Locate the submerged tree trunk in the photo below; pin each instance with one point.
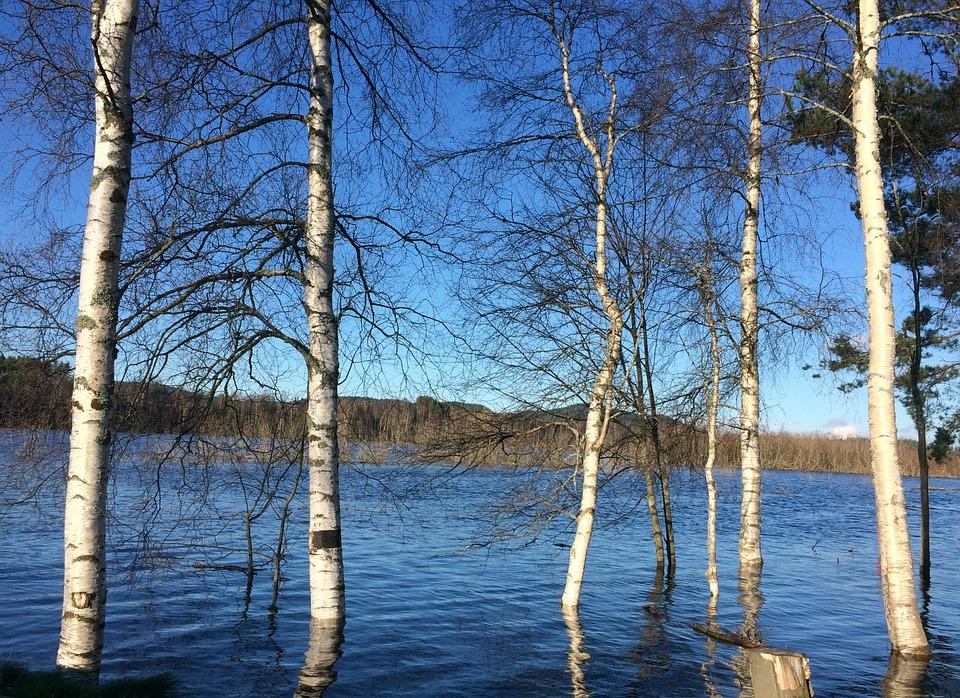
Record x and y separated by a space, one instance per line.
640 407
326 559
652 510
84 541
279 552
920 417
663 473
896 559
594 431
713 405
750 555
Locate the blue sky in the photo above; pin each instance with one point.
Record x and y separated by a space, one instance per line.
793 400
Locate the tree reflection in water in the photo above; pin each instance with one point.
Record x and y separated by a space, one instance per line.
905 676
323 651
577 656
710 687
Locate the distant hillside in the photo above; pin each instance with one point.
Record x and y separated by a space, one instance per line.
35 394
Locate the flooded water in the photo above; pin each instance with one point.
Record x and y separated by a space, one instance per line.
431 613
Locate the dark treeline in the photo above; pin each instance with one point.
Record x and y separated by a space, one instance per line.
35 394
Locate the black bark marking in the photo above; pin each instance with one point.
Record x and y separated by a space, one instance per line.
70 615
324 540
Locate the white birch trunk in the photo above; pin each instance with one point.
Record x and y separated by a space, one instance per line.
326 560
713 405
84 540
896 559
750 555
594 429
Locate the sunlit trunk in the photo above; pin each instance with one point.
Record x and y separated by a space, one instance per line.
594 430
713 405
84 540
326 560
750 555
896 558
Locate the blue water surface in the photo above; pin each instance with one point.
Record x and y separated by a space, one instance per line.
434 609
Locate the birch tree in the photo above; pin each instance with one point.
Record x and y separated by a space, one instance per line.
324 546
918 120
708 301
598 413
85 585
896 559
550 308
750 554
861 32
235 212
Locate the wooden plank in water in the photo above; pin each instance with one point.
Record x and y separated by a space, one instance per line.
779 673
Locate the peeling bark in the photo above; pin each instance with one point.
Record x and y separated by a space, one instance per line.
84 543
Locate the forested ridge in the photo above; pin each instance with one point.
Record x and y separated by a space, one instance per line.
35 394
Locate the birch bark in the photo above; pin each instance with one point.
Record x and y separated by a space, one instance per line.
594 432
896 558
750 555
324 548
713 404
84 540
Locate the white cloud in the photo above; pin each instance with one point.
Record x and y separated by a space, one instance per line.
843 431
